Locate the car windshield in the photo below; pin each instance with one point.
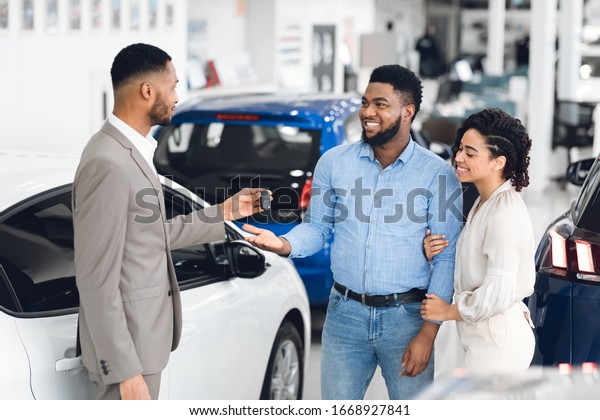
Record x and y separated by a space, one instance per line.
243 147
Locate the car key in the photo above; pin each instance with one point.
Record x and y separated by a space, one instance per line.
265 200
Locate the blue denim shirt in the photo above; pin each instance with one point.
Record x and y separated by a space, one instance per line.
379 217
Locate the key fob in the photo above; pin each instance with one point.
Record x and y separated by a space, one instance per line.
265 200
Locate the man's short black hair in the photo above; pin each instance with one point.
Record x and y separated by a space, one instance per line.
404 81
137 60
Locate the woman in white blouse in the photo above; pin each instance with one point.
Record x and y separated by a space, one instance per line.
494 268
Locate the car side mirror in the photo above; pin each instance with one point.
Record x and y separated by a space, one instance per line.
578 171
245 260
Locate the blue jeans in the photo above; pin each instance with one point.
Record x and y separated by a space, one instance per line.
356 338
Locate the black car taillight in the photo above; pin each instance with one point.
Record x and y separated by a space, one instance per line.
585 258
562 251
553 254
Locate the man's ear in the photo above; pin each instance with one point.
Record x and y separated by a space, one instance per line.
408 112
146 90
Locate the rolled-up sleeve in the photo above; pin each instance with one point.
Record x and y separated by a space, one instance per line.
446 218
311 235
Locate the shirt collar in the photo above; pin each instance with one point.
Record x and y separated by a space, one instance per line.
145 145
367 151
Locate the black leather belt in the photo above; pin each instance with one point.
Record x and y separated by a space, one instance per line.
412 296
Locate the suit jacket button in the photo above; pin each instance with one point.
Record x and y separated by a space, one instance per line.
170 292
102 362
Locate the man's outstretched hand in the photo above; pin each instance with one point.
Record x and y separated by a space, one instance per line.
265 239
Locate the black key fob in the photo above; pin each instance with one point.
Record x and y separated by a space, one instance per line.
265 200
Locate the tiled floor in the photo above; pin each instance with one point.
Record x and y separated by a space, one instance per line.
542 210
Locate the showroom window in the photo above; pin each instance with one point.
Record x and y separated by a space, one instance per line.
37 273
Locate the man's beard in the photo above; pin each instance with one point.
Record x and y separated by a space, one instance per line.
160 114
382 137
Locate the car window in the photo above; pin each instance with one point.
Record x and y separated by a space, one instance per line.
196 265
243 147
36 255
37 271
589 190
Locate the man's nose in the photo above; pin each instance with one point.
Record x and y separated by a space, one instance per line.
369 110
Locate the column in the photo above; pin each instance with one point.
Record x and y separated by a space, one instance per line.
541 91
495 46
569 54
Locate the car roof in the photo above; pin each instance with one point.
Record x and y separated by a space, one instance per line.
309 106
24 174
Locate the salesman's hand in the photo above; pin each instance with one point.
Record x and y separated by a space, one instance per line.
134 389
243 204
265 239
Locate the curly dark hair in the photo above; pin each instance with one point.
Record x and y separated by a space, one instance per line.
505 136
405 83
137 60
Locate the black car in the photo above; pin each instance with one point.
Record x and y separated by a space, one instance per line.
565 305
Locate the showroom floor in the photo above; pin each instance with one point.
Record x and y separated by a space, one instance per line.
541 210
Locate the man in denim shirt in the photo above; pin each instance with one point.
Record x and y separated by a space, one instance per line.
378 197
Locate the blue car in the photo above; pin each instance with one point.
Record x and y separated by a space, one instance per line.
216 146
565 306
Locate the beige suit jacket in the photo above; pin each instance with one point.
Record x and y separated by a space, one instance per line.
130 311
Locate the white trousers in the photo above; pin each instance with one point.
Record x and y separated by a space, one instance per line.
502 344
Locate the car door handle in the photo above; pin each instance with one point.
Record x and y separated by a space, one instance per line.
68 364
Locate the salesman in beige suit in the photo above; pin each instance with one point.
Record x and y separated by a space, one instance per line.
130 312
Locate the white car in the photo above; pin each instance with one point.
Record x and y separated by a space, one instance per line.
246 317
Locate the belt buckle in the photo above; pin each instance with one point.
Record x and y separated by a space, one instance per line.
362 298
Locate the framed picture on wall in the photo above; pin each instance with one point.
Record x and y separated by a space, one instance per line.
323 57
152 14
27 23
134 14
115 14
169 13
97 14
52 16
75 15
3 15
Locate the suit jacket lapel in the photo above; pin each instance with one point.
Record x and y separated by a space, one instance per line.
112 131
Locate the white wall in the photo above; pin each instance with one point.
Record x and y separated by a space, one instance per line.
225 26
260 31
51 84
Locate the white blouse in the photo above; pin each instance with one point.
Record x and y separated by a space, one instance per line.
494 257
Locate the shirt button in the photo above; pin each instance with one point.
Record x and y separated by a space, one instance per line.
368 246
